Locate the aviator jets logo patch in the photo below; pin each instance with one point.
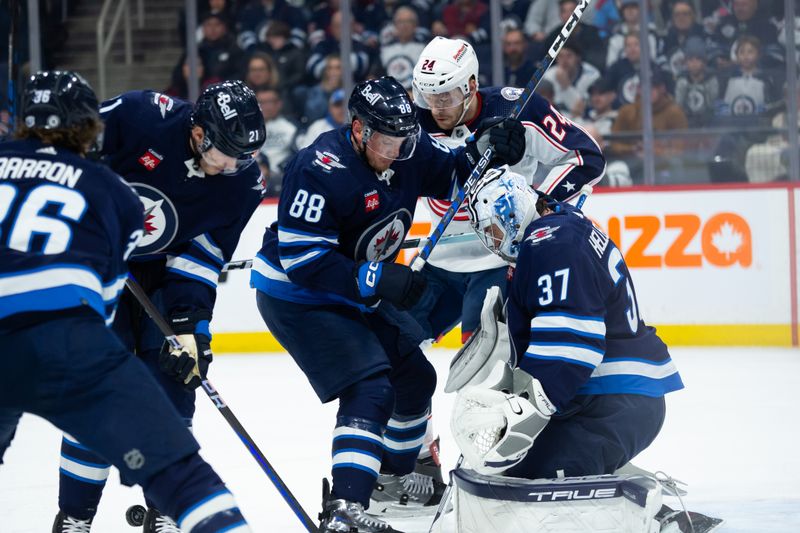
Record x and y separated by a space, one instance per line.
164 103
327 161
160 219
541 234
382 240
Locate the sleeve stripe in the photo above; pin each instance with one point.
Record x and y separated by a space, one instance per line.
264 268
572 353
111 291
290 263
557 179
193 269
636 368
291 236
539 130
109 107
205 243
581 325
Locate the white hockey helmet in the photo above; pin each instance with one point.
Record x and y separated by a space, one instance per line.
494 429
442 73
500 207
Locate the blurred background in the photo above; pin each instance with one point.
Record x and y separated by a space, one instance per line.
676 91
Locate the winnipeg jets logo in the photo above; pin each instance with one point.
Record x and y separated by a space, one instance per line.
164 103
327 161
382 240
541 234
160 219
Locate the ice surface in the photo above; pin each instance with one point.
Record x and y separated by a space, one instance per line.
733 435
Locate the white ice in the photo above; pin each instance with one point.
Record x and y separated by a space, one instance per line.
733 435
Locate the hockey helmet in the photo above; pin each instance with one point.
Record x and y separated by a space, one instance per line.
442 73
231 120
58 99
388 115
500 206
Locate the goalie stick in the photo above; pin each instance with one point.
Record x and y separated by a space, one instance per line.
422 257
224 410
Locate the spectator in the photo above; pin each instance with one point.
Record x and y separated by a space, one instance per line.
289 59
546 90
518 69
512 13
667 115
335 118
629 9
542 18
254 20
401 44
571 79
316 98
179 83
748 91
281 132
624 74
215 7
682 27
604 16
221 57
768 161
601 113
462 17
697 89
584 37
261 72
746 19
359 57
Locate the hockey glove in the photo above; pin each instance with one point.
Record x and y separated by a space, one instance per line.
393 282
188 365
507 135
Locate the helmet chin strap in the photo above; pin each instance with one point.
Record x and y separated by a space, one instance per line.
465 105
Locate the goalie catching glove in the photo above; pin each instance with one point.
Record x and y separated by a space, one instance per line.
189 364
392 282
494 429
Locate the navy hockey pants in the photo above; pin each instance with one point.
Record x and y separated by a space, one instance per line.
604 432
453 297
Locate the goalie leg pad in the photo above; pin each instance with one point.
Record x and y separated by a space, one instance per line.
591 504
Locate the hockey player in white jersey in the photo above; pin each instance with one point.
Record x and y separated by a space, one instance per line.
450 106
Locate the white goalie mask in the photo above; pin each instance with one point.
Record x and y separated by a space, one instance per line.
494 429
500 207
442 74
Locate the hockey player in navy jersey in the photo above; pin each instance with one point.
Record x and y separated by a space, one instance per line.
328 290
588 391
68 225
194 171
561 155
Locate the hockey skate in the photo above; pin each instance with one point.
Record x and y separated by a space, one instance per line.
673 521
66 524
155 522
414 494
430 464
342 516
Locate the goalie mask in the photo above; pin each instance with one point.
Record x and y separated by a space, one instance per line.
500 207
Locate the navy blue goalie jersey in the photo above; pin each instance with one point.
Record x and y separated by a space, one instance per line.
192 221
67 226
573 316
334 211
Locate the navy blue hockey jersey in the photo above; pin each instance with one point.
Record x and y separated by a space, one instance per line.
67 226
192 221
334 211
573 315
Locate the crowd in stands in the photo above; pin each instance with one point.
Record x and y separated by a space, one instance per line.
716 64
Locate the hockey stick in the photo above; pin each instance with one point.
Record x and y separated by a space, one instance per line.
419 260
223 408
244 264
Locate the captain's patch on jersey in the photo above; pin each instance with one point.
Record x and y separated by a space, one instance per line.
542 234
151 159
371 201
164 103
327 161
510 93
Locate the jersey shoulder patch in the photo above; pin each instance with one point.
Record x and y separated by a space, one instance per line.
542 234
511 93
163 102
327 161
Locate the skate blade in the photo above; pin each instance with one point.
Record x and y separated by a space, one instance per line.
396 510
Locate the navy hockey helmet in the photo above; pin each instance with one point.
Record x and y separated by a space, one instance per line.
388 115
57 99
231 119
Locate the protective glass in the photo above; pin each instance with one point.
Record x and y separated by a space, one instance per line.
228 165
393 148
448 100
